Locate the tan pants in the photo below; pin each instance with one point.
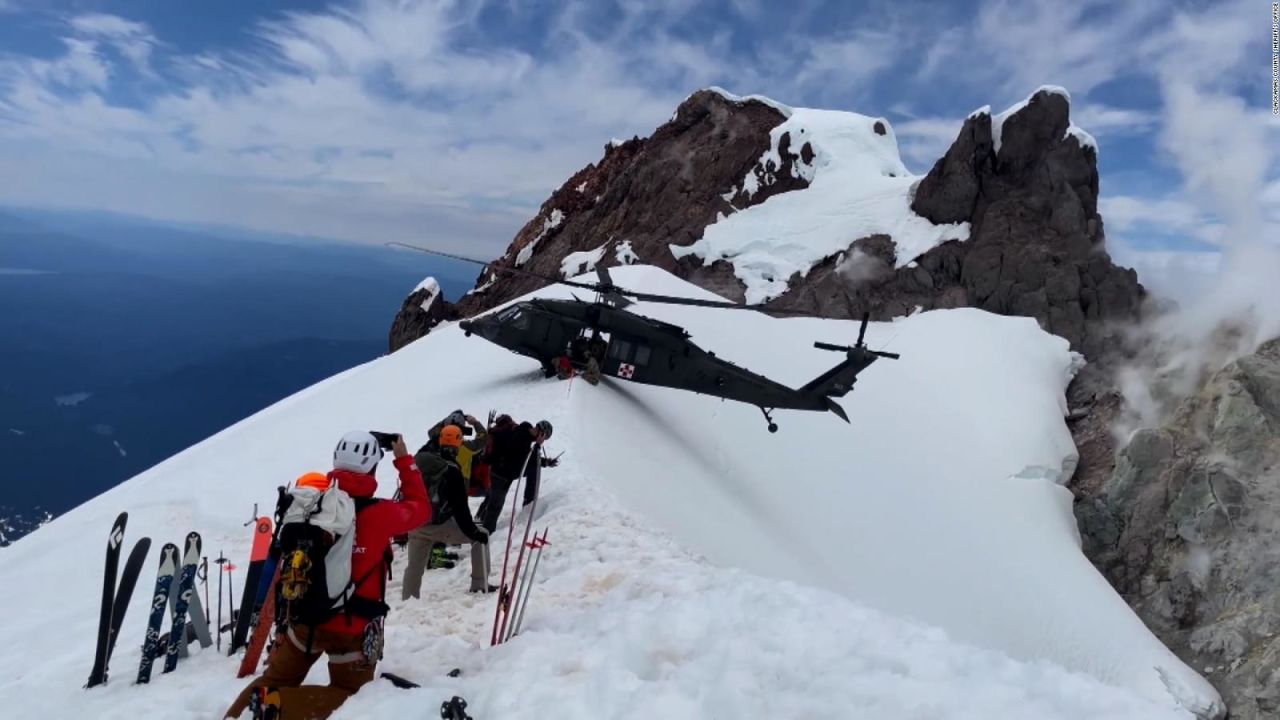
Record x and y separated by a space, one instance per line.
287 667
448 532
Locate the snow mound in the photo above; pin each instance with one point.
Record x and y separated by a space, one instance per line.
625 254
699 566
433 291
858 187
581 262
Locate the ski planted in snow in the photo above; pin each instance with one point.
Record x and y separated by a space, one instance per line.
186 586
124 593
159 600
262 629
98 674
249 599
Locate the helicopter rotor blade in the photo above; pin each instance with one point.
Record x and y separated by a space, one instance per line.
606 287
725 304
490 265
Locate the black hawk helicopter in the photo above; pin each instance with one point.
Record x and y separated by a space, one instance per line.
643 350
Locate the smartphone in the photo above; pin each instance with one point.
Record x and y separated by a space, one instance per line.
385 440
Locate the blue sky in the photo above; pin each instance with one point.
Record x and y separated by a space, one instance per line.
451 122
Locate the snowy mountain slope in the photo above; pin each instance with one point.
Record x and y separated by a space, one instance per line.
857 187
910 511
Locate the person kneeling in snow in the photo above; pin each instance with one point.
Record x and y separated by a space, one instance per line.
451 521
351 632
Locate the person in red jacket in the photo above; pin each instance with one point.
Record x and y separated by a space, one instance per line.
346 637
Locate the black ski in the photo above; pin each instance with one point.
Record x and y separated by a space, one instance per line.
159 600
98 675
124 593
186 586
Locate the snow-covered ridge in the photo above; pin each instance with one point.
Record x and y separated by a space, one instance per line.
786 110
858 186
551 223
939 505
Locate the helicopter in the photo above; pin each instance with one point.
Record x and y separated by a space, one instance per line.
644 350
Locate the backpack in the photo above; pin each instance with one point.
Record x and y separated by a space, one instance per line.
434 469
315 538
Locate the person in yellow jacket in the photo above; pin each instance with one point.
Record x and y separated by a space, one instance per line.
469 449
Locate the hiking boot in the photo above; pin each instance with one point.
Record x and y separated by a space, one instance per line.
264 703
491 588
437 564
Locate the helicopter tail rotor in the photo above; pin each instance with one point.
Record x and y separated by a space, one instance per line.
860 347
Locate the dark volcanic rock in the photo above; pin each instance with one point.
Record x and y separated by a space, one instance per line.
646 194
1036 245
412 322
1187 528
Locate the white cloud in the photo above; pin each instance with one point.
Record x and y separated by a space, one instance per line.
922 141
132 39
1101 119
1016 45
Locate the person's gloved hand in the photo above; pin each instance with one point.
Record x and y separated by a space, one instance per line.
481 536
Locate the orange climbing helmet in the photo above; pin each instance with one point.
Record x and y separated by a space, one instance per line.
315 480
450 436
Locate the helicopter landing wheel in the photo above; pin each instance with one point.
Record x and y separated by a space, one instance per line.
773 426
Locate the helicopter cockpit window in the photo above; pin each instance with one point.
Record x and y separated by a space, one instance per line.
514 316
642 355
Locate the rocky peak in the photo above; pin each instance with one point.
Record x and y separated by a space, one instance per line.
1027 183
643 195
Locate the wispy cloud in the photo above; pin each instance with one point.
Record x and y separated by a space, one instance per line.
393 119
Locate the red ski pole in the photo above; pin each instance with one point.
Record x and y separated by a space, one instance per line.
515 573
511 531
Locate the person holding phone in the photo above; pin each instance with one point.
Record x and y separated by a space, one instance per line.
451 521
352 637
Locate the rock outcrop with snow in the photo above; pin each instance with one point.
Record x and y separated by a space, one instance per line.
814 210
644 194
1036 245
1188 529
422 310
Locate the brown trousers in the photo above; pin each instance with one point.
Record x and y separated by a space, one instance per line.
289 663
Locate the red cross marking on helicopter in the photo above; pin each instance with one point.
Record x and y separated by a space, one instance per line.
626 371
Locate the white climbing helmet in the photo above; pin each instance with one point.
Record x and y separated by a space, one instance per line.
357 451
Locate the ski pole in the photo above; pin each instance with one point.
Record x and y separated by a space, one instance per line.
221 561
204 579
515 608
231 593
541 543
506 557
533 510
